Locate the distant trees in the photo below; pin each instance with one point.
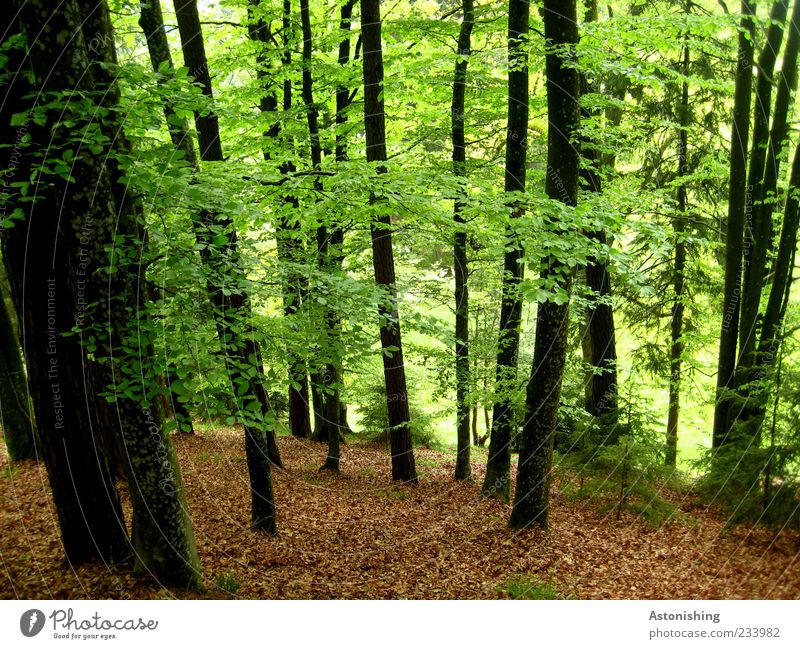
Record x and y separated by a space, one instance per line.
16 418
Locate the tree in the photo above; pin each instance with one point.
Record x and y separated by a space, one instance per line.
463 469
86 501
225 283
497 483
737 199
601 343
403 465
102 287
743 403
16 418
679 279
532 495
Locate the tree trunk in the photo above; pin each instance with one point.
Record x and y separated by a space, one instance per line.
87 504
532 495
329 382
602 344
232 310
460 263
403 465
749 407
497 483
80 294
16 418
679 225
738 201
757 213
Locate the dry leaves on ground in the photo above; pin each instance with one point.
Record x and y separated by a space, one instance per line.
358 535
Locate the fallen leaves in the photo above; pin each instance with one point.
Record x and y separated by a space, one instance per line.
358 535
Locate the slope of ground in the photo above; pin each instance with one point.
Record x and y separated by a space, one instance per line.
358 535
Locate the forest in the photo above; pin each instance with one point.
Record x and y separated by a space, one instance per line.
412 299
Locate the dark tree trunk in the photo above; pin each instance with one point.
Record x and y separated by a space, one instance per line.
738 201
754 249
756 360
679 225
16 418
532 495
497 483
288 241
87 504
327 412
161 531
746 412
784 269
76 292
403 465
602 341
231 305
460 264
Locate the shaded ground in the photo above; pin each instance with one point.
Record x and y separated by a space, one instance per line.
360 536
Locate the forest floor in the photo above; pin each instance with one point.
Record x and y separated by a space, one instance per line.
358 535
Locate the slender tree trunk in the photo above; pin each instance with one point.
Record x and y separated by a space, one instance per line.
679 225
460 263
231 306
16 418
750 405
403 465
532 495
330 379
738 201
602 343
756 213
784 268
497 483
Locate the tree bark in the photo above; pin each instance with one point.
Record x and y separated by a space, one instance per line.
403 465
602 343
497 483
463 469
532 495
86 500
746 412
754 249
101 306
231 305
679 225
738 202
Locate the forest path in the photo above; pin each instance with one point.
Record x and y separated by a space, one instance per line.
358 535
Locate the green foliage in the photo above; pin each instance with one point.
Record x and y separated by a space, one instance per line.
374 418
752 484
528 587
626 475
228 583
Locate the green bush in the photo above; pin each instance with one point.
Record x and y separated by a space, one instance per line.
752 484
374 420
